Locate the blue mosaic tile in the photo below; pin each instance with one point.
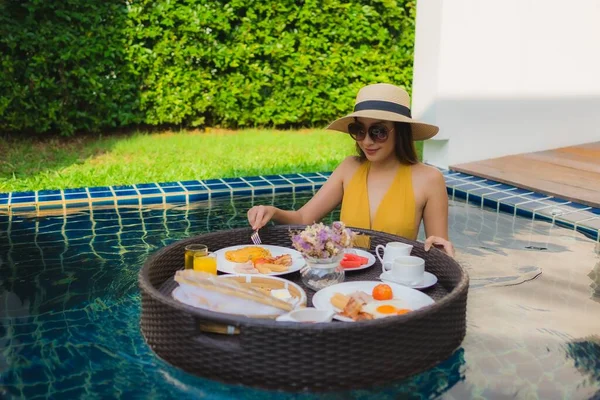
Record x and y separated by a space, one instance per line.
576 216
501 195
220 194
537 196
541 217
100 192
77 204
284 189
271 177
75 194
50 206
23 208
190 183
212 182
22 197
263 191
233 180
173 189
125 190
465 187
146 190
128 202
453 182
479 192
564 224
169 184
490 184
152 200
319 179
521 191
490 203
460 175
259 183
279 182
196 188
218 187
146 185
310 175
255 179
293 176
593 224
509 208
108 202
595 211
503 187
524 213
299 181
533 205
576 206
3 198
555 201
198 196
238 185
243 193
176 199
516 200
303 187
49 195
591 233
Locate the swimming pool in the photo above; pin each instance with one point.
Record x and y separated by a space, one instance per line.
70 305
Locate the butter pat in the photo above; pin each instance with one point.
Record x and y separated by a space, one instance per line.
282 294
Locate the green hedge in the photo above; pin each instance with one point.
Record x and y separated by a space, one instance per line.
75 65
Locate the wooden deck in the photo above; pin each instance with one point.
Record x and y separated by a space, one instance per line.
571 173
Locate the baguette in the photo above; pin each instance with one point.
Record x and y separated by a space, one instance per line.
339 300
275 267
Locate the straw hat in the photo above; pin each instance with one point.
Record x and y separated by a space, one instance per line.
387 103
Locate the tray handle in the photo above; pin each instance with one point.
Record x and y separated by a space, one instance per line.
219 336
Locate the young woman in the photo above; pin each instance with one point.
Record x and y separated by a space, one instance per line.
385 187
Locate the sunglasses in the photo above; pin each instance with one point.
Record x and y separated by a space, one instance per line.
377 132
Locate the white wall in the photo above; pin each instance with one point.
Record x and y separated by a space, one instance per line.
506 77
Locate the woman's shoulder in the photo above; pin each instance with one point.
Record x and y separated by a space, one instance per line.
347 167
428 174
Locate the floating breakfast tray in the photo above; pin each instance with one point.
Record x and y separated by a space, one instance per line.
301 357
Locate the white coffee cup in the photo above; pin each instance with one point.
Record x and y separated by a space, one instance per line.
409 270
392 250
308 314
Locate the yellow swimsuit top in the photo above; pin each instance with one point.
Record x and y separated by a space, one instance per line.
396 212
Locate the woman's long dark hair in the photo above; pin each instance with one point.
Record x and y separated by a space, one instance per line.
405 149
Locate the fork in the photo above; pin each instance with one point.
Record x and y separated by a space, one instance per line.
255 238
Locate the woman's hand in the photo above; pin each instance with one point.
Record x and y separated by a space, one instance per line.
440 242
258 216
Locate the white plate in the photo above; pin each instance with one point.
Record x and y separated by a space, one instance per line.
413 298
227 266
362 253
428 280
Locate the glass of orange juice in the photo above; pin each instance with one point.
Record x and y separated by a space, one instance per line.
191 250
205 263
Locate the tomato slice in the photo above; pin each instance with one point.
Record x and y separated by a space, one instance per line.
350 264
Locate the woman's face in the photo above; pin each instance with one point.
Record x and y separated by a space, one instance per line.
372 140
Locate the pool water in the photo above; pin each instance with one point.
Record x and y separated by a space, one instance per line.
70 307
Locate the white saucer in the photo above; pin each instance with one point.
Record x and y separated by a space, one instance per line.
428 280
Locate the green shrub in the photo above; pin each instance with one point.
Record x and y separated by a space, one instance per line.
75 65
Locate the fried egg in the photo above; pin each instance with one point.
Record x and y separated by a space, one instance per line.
385 308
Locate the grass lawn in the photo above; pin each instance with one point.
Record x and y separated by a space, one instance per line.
59 163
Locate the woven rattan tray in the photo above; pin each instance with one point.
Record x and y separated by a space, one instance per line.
301 357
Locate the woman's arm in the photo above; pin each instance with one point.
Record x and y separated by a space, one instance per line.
435 214
322 203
